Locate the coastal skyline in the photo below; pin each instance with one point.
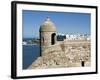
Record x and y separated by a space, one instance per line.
65 22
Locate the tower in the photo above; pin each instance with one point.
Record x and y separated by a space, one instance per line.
47 35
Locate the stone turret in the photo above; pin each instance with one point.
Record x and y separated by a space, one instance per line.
47 34
62 54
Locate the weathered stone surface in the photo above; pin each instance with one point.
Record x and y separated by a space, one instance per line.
64 55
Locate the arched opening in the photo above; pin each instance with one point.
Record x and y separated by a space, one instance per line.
53 39
82 63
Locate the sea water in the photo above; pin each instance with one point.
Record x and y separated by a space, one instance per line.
30 54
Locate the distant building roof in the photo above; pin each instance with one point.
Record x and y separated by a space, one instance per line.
48 25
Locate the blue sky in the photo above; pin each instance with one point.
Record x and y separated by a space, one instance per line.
65 22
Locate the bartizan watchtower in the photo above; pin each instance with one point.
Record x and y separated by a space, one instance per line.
47 35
